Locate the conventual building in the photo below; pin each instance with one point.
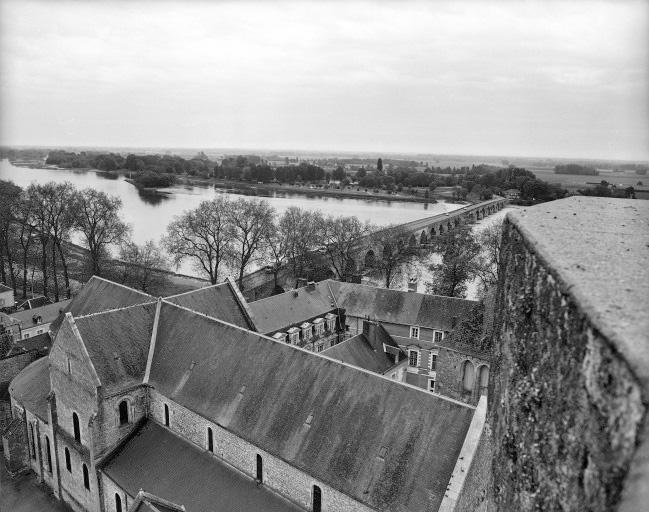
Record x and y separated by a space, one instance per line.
179 402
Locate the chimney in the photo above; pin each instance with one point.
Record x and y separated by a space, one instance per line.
412 285
310 285
301 282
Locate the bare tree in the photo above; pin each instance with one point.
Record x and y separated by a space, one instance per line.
343 238
460 253
97 218
395 254
58 198
490 239
299 229
37 195
203 236
141 265
10 203
251 221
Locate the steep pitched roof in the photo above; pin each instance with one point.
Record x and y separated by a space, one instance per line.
99 294
219 301
40 342
31 387
118 342
358 351
394 306
177 470
292 307
48 313
264 391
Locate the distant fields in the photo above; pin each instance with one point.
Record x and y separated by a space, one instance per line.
572 182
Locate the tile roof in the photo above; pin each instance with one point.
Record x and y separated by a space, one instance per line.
355 413
219 301
394 306
31 387
358 351
118 343
292 307
48 313
166 465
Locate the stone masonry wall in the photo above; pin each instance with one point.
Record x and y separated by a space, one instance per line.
567 408
278 475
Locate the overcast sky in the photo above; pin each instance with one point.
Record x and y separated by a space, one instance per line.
490 78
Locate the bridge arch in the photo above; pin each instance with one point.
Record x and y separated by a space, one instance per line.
423 239
370 259
413 240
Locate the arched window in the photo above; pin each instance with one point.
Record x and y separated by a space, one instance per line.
483 375
49 454
68 462
468 376
118 503
123 412
86 477
31 428
210 440
75 427
260 469
166 415
317 499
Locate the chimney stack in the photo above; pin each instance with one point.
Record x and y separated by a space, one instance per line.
301 282
412 284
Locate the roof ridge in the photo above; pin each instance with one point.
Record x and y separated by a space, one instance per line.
154 337
403 291
320 354
94 276
241 300
195 290
97 313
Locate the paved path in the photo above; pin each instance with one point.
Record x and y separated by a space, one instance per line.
23 494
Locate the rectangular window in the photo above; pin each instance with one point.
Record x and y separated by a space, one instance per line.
439 335
414 332
431 385
413 358
432 362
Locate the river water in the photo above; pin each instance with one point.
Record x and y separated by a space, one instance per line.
149 215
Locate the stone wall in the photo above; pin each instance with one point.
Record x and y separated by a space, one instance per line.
565 409
278 475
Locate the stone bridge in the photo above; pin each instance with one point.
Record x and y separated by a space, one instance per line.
417 233
420 232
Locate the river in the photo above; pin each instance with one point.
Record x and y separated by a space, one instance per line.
149 215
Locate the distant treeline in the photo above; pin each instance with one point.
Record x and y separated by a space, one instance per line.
575 169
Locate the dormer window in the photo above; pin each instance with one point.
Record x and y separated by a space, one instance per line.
318 326
306 331
414 332
123 412
294 335
331 321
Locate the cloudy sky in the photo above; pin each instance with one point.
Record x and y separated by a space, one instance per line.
492 78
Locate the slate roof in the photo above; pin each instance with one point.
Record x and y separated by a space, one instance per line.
292 307
355 413
218 301
32 386
118 343
159 461
49 313
98 294
394 306
358 351
39 342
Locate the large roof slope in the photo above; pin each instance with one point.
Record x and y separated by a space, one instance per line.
176 470
48 313
32 386
218 301
99 294
394 306
118 343
329 419
292 307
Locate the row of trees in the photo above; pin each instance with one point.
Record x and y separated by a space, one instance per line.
36 228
